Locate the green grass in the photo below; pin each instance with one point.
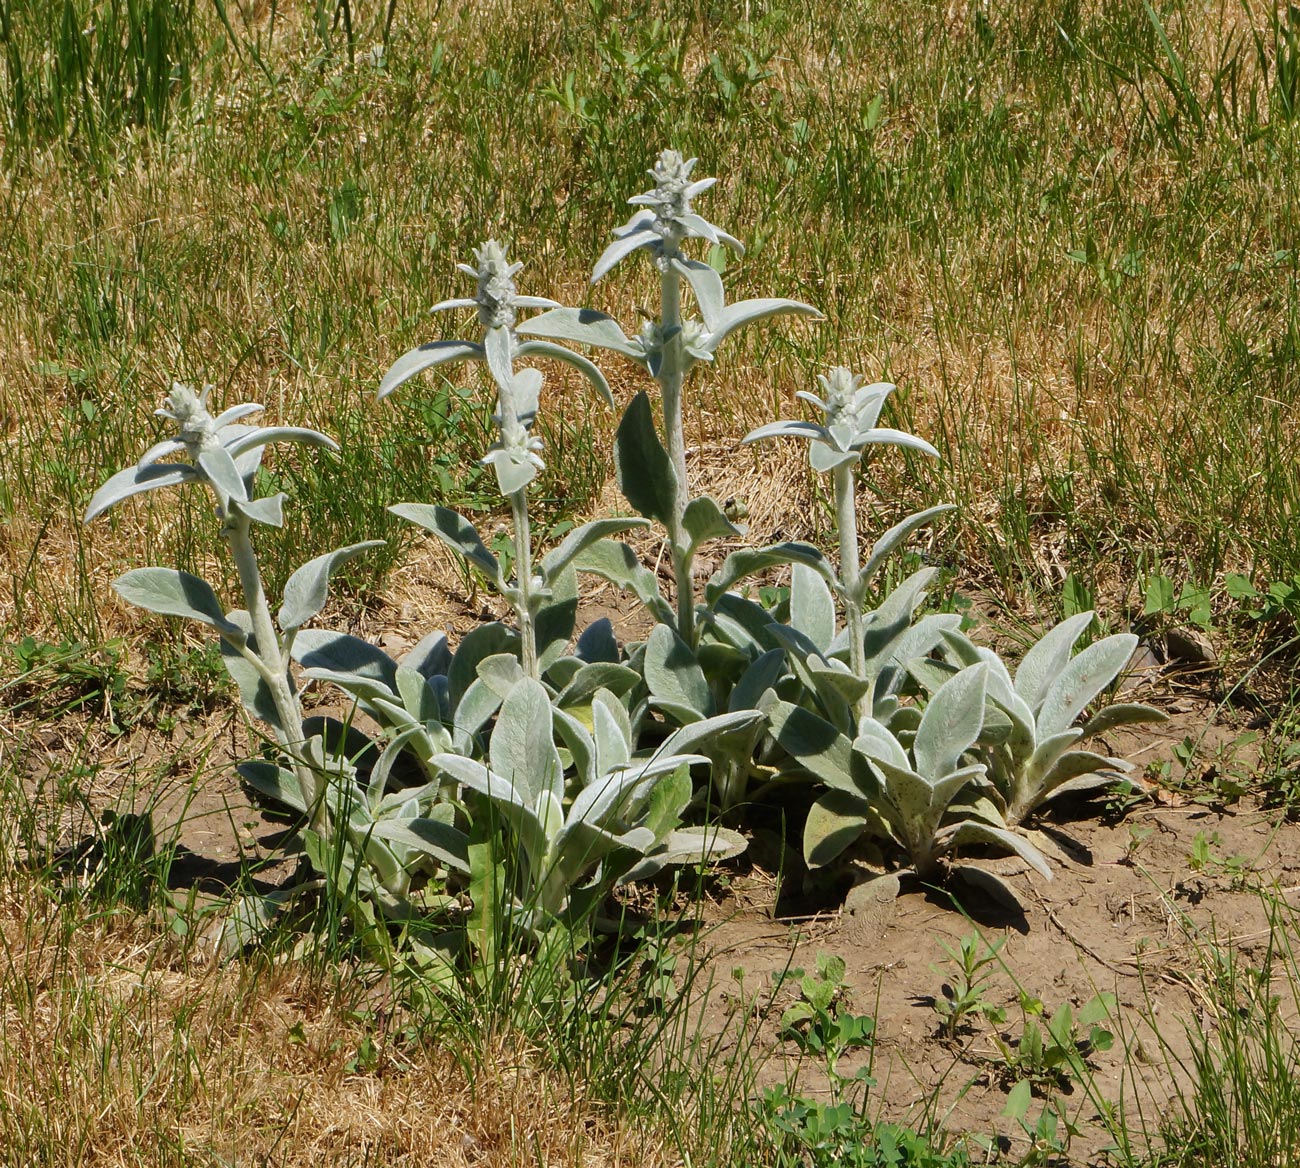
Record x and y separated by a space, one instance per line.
1070 236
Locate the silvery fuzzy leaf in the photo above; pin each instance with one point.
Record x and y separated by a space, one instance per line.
834 822
1044 661
744 312
875 740
882 548
135 480
232 415
254 694
640 221
558 353
275 782
169 592
611 736
500 672
974 831
525 393
677 711
1122 714
376 697
951 723
760 677
498 351
480 642
748 561
457 302
306 590
1082 680
457 532
930 673
1079 764
580 538
807 662
1117 772
246 921
883 436
735 621
707 286
508 800
696 226
514 470
618 563
836 680
673 674
427 357
585 844
219 467
579 742
554 621
812 742
1047 752
581 326
703 520
597 675
522 749
269 510
789 429
645 472
637 236
912 800
607 796
705 733
472 713
812 607
687 845
825 457
446 844
597 643
260 436
321 649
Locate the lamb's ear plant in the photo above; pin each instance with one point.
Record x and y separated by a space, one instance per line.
223 454
837 444
924 792
543 595
622 822
1030 749
652 473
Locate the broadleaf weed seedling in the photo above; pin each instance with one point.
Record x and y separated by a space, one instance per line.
962 997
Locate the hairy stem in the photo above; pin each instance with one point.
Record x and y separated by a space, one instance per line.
524 583
846 520
289 732
670 384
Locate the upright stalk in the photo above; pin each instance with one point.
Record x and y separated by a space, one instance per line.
846 520
524 583
273 668
670 384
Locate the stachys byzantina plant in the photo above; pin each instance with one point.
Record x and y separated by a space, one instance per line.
357 834
1030 743
652 473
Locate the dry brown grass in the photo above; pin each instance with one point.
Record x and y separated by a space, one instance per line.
117 1049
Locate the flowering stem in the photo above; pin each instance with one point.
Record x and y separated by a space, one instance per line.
524 583
670 384
846 520
275 673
